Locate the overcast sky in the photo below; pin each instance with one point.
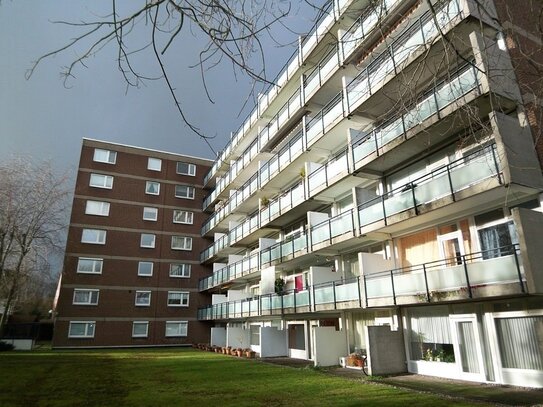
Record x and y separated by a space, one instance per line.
43 119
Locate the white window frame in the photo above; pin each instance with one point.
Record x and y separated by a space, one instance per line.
107 182
191 169
184 294
140 263
154 164
147 304
152 245
190 190
89 291
97 208
185 247
111 156
188 216
95 269
179 333
100 237
148 183
142 323
150 211
185 267
88 324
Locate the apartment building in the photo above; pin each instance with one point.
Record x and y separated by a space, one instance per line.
385 197
131 268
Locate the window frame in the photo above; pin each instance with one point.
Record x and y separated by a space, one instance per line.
185 239
98 242
150 166
147 246
189 188
190 166
184 267
146 292
86 334
180 305
94 260
135 323
147 183
109 153
102 204
152 209
103 185
179 324
140 263
189 222
89 291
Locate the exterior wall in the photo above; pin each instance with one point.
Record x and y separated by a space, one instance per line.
386 350
116 310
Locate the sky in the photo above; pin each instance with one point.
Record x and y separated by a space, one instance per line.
44 120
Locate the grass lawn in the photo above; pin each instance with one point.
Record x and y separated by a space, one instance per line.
180 377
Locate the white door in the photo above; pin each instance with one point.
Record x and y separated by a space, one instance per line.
451 247
467 347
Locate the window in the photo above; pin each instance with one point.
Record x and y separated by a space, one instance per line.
101 181
181 243
498 240
93 236
83 329
186 169
178 299
143 298
176 328
89 265
183 217
147 240
184 191
105 156
180 270
152 188
140 329
154 164
145 268
85 297
150 213
98 208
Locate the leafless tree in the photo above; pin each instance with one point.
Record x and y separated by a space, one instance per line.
33 218
233 30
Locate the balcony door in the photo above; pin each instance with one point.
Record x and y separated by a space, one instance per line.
451 247
467 347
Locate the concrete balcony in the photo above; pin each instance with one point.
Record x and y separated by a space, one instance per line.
492 273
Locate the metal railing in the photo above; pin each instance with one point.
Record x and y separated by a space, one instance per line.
454 278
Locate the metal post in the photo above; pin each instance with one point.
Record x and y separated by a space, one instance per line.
522 289
393 288
334 291
496 164
359 296
365 290
450 183
426 283
470 294
414 199
314 306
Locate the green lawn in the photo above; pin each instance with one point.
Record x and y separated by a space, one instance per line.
180 377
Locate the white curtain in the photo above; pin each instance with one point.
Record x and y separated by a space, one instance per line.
430 325
521 342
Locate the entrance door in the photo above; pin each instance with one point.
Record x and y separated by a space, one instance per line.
467 347
451 247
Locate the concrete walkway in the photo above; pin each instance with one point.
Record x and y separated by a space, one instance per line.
454 389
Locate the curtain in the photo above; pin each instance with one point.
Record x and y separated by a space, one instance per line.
468 347
521 342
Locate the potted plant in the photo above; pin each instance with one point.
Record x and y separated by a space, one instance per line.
279 286
249 353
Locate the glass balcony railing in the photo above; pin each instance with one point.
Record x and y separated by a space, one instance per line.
452 278
288 71
230 272
283 250
418 35
323 176
315 79
334 227
364 25
320 124
444 181
464 81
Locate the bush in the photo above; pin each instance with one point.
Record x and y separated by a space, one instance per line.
4 346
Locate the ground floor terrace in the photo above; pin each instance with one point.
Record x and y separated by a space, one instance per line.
490 341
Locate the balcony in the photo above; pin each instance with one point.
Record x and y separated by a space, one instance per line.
489 273
447 181
393 59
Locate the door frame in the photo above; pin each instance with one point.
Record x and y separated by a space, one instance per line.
454 320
